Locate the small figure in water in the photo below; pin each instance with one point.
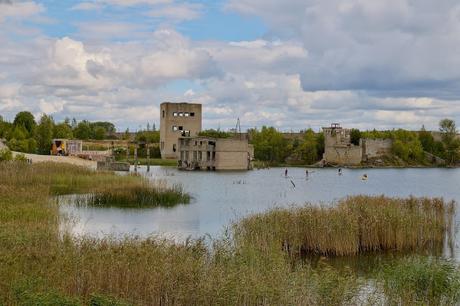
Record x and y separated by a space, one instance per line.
364 178
286 172
306 173
340 171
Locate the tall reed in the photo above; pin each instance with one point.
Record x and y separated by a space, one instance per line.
39 265
355 225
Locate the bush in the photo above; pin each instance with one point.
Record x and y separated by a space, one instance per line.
20 158
5 155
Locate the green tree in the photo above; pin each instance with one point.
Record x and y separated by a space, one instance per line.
44 134
148 136
83 130
355 136
27 120
99 133
308 148
63 130
450 140
269 145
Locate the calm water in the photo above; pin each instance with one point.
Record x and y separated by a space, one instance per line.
220 198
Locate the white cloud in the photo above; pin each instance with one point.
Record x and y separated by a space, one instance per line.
177 12
19 10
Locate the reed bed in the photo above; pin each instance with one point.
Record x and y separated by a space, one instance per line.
40 266
355 225
134 196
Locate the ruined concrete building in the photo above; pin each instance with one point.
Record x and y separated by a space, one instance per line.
206 153
340 151
177 120
180 126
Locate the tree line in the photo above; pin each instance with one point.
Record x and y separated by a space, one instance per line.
275 148
24 134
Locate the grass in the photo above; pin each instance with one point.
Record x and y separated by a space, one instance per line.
104 188
137 196
355 225
41 266
422 281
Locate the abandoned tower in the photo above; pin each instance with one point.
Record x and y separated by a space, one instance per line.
177 120
340 151
179 139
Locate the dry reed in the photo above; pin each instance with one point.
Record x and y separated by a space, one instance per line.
355 225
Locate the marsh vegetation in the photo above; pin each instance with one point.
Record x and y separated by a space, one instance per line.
40 265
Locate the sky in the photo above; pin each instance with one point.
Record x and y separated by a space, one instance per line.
292 64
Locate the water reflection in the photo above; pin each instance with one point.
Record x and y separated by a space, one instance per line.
222 197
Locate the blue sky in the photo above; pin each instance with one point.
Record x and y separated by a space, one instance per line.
292 64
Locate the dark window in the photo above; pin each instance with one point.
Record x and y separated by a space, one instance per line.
163 113
192 114
174 147
181 128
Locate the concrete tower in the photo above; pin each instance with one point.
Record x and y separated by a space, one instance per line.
177 120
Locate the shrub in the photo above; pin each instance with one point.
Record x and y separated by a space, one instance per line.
5 155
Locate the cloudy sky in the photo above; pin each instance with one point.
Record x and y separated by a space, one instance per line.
293 64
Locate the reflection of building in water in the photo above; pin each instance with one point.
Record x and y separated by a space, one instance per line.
206 153
340 151
177 120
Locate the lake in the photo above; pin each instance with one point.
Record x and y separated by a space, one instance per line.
222 197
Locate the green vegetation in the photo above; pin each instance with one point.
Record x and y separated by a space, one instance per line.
43 266
215 134
25 135
273 148
410 146
135 196
422 281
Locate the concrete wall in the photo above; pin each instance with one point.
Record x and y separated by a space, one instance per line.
343 155
175 119
211 153
233 154
376 147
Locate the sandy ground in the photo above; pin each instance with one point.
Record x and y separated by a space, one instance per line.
60 159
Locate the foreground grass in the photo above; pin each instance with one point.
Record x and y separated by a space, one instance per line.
40 266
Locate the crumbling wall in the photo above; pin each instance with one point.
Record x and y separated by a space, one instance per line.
373 148
343 155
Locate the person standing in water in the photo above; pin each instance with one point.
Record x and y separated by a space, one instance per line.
340 171
306 173
286 172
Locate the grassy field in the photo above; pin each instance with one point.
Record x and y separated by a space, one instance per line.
41 266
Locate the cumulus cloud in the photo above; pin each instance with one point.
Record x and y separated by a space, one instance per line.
397 46
363 63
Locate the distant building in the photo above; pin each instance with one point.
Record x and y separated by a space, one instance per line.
177 120
340 151
66 147
205 153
